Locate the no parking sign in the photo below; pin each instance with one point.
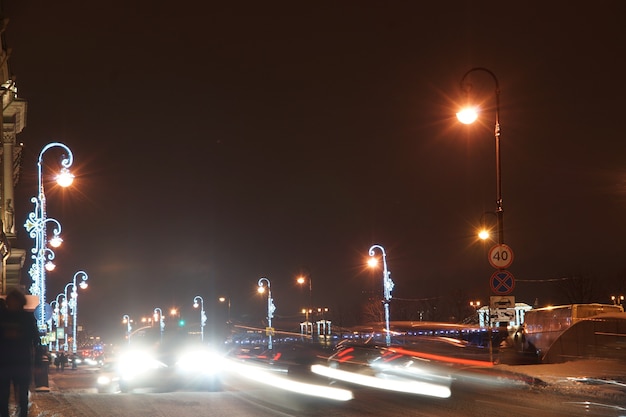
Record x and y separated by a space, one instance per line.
502 282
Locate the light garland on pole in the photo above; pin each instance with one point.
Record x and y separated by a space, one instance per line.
36 225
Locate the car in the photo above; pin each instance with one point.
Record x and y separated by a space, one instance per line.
134 370
164 368
198 367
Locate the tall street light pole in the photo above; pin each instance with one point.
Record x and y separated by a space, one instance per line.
202 314
36 224
129 328
270 308
387 286
502 253
158 313
67 311
301 280
73 303
469 115
222 300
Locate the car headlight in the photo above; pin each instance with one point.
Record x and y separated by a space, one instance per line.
198 362
104 380
134 364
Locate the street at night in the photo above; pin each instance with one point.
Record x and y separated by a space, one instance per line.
344 208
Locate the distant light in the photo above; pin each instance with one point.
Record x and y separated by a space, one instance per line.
65 178
83 285
467 115
372 262
300 280
261 289
50 266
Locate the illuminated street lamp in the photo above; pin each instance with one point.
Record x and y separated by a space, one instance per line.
617 299
36 225
158 315
307 279
202 314
270 308
73 304
126 320
469 115
223 300
387 285
56 319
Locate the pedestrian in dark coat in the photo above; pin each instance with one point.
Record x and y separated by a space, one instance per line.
19 342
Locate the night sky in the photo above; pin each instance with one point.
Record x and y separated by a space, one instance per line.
216 144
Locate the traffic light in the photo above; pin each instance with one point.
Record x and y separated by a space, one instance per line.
181 323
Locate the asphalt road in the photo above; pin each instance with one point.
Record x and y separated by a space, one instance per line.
73 395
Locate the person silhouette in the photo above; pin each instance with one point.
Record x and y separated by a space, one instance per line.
19 343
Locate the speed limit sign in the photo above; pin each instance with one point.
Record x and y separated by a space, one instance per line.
501 256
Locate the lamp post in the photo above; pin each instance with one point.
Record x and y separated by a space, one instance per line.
202 314
60 310
469 115
129 328
301 280
54 322
387 286
73 303
222 300
617 299
270 308
158 314
36 225
66 311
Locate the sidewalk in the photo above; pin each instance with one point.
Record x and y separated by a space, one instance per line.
603 379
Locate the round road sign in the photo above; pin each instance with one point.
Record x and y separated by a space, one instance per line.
502 282
501 256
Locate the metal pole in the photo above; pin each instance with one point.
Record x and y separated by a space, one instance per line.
387 288
36 227
128 326
499 208
161 322
270 309
202 314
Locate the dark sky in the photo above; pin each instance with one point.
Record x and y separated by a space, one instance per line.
215 144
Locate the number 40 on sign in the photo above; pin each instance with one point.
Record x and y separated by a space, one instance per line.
501 256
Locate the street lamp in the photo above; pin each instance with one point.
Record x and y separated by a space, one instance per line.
36 225
202 314
222 300
617 300
126 320
158 315
73 303
469 115
301 280
56 320
387 285
270 308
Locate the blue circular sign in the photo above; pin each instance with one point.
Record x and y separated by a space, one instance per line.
47 312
